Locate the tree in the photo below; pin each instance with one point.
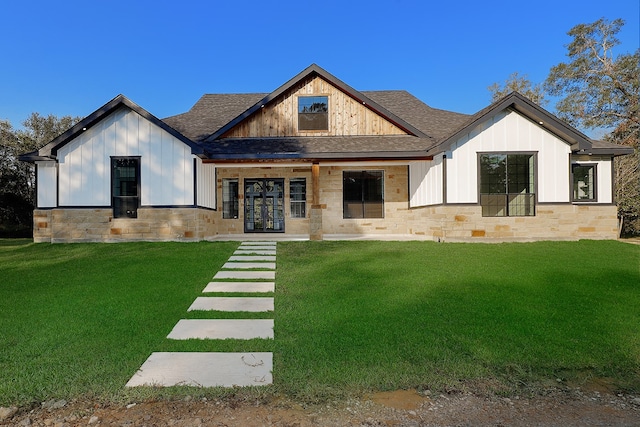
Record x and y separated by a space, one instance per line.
600 90
521 84
17 179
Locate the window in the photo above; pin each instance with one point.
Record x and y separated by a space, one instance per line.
298 197
229 198
507 184
125 186
313 113
584 182
363 194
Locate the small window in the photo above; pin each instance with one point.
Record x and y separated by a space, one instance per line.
363 194
125 186
584 182
229 198
298 197
313 113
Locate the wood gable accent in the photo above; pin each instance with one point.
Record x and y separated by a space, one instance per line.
347 116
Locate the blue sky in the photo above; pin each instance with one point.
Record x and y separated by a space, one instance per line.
71 57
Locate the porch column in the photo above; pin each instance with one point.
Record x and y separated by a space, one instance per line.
315 220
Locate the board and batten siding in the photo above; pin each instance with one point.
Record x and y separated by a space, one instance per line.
425 182
508 131
206 184
347 116
604 177
166 163
46 185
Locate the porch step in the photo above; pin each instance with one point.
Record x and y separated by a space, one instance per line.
252 304
267 275
240 287
205 370
221 329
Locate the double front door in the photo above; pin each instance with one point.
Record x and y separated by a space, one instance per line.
264 205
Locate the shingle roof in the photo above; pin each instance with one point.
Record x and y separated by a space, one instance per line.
212 112
328 147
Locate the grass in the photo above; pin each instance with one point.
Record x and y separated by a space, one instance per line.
78 320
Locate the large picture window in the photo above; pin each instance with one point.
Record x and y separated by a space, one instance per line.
363 194
229 198
584 182
313 113
298 197
125 186
507 184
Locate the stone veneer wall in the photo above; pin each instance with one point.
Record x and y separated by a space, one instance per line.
294 226
459 222
551 222
98 225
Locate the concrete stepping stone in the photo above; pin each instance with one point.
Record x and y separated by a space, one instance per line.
205 370
258 243
252 258
248 265
253 304
268 275
240 287
254 252
257 248
242 329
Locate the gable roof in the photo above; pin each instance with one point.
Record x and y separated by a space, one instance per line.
50 150
315 70
517 102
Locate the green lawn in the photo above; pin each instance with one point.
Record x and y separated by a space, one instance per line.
79 320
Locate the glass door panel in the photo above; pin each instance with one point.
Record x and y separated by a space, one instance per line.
264 205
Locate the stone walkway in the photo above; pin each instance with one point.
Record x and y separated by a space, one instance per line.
207 369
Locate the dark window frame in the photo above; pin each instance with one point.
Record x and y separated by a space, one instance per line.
298 199
313 113
230 205
502 196
125 206
594 182
360 199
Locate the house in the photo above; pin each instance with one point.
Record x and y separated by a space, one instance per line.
319 159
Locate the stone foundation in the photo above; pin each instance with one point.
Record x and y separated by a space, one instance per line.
98 225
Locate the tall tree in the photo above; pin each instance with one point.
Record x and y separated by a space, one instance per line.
600 89
17 179
521 84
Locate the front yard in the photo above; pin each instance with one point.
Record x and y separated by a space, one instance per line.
350 317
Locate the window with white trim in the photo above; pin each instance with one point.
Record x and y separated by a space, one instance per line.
298 197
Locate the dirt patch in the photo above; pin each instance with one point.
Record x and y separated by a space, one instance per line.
400 408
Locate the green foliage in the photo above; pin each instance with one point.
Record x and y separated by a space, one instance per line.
520 84
17 179
600 89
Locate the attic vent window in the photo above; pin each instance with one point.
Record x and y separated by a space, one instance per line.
313 113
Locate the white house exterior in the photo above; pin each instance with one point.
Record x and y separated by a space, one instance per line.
318 159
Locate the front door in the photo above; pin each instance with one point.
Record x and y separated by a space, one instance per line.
264 205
